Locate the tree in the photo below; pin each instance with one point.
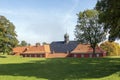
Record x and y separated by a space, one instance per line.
44 43
112 48
37 44
110 15
29 44
23 43
88 30
8 35
119 50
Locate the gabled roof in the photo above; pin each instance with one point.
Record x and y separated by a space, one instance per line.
34 49
19 49
29 49
62 47
86 48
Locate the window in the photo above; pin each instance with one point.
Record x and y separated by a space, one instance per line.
40 55
30 55
97 55
82 55
90 55
75 55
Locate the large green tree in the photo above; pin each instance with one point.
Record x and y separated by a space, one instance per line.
88 30
8 35
110 15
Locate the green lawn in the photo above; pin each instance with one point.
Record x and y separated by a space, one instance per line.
18 68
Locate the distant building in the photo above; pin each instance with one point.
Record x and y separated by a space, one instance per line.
60 49
32 51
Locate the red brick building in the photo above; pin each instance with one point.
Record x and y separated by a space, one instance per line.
60 49
32 51
85 50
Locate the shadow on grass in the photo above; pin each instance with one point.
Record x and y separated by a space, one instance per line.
3 57
60 69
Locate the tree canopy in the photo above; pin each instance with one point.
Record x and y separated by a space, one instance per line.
110 15
38 44
23 43
88 30
8 35
112 48
44 43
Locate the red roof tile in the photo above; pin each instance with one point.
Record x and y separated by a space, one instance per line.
85 48
35 49
29 49
19 49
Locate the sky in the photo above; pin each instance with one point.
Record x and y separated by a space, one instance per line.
44 20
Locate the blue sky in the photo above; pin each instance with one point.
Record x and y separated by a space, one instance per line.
44 20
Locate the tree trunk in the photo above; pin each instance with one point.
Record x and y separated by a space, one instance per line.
94 50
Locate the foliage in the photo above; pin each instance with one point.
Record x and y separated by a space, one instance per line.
29 44
23 43
18 68
112 48
37 44
8 35
110 15
88 30
44 43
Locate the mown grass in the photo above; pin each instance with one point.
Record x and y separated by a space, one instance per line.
18 68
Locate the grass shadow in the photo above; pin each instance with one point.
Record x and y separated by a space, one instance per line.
66 68
3 57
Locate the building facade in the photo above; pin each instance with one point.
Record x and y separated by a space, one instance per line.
60 49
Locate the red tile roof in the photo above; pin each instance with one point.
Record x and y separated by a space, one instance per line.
35 49
29 50
19 49
86 48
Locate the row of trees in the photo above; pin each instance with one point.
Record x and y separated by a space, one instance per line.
93 25
24 43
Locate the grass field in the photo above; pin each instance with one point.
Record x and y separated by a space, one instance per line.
18 68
